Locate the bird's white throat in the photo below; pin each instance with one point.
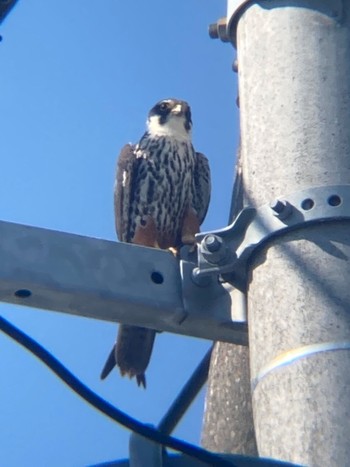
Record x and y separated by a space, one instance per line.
173 128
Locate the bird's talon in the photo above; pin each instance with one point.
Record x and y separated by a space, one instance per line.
174 251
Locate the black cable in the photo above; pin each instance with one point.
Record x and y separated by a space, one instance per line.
5 8
105 407
186 396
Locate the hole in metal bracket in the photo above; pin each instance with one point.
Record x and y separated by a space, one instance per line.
334 200
23 293
157 277
307 204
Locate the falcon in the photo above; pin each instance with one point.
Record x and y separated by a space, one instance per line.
161 197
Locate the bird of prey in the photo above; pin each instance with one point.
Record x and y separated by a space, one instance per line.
161 197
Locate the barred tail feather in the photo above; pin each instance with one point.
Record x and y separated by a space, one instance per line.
133 351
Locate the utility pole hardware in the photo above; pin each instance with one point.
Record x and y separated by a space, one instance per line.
280 272
290 248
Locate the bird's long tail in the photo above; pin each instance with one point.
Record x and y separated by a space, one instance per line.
131 353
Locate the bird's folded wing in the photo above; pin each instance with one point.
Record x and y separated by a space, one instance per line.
202 186
123 191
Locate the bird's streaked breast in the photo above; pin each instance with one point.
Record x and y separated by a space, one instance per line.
162 187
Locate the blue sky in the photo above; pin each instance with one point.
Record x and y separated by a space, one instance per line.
77 81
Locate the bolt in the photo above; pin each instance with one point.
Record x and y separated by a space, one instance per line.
277 206
214 249
213 31
200 279
282 209
218 30
212 243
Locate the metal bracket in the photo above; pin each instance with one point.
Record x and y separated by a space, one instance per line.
225 28
114 281
230 249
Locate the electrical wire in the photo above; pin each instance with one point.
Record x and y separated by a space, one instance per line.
105 407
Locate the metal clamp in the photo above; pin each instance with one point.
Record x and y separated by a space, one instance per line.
225 28
229 250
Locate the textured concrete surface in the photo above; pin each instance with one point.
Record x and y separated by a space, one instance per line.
294 68
228 422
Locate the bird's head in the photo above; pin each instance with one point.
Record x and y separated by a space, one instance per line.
170 117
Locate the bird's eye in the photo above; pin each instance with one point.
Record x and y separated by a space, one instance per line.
163 106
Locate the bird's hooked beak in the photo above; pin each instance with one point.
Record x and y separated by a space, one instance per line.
177 109
182 109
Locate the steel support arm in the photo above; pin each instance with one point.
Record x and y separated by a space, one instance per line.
111 281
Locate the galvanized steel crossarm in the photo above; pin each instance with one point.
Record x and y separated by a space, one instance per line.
110 281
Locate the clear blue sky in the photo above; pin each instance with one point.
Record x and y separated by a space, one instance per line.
77 80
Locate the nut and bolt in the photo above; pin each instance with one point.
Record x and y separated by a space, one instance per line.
212 243
218 30
282 209
214 249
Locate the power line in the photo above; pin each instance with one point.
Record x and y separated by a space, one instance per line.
102 405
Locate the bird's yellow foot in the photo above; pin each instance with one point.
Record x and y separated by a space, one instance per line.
174 251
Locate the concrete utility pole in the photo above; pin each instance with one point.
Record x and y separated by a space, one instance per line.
294 88
228 418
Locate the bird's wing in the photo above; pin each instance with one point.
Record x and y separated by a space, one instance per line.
202 186
123 191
